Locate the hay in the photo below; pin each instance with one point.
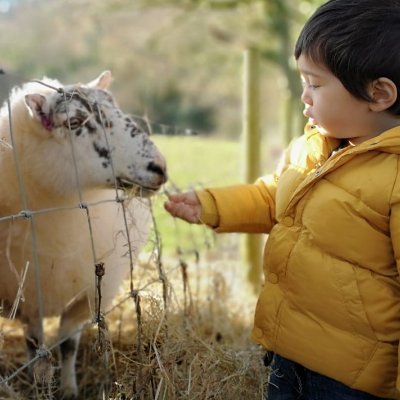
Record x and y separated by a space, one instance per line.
191 342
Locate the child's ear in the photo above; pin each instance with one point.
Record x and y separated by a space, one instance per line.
383 93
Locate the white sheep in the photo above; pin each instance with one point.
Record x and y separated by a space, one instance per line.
70 147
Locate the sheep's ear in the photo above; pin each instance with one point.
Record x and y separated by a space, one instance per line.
37 106
35 103
103 81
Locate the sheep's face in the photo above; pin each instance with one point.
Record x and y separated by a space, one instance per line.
87 132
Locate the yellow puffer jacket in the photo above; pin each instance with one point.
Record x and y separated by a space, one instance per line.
331 300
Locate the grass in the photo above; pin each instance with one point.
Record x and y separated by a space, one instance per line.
193 346
194 161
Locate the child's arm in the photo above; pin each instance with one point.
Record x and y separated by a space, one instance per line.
238 208
247 208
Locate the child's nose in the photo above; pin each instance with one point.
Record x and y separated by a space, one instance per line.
305 97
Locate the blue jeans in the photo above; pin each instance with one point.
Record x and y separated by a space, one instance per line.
291 381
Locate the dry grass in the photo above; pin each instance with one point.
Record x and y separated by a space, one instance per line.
191 342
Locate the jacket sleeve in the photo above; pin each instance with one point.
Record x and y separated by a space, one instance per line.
240 208
395 236
246 208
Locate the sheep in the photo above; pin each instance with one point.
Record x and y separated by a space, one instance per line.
64 155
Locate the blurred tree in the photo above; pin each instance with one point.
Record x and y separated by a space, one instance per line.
283 20
173 106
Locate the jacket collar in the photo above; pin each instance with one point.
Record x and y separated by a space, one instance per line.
320 147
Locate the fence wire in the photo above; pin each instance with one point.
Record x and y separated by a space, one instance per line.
42 353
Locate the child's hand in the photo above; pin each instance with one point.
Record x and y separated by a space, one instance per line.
185 206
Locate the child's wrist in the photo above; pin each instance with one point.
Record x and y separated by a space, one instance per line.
209 212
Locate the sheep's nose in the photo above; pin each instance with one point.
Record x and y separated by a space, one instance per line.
159 168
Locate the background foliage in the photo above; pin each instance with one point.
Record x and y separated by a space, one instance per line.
177 61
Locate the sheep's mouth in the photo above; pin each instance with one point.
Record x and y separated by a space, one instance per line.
135 188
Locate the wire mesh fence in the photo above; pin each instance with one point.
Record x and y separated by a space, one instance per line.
177 327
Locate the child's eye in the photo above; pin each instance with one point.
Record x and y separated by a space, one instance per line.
309 85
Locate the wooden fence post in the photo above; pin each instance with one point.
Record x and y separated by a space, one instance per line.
251 246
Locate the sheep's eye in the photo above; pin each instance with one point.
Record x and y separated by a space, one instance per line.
74 123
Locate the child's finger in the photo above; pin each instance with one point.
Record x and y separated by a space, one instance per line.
177 197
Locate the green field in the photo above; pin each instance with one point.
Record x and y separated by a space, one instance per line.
193 162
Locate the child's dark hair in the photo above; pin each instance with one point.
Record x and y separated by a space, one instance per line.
358 41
